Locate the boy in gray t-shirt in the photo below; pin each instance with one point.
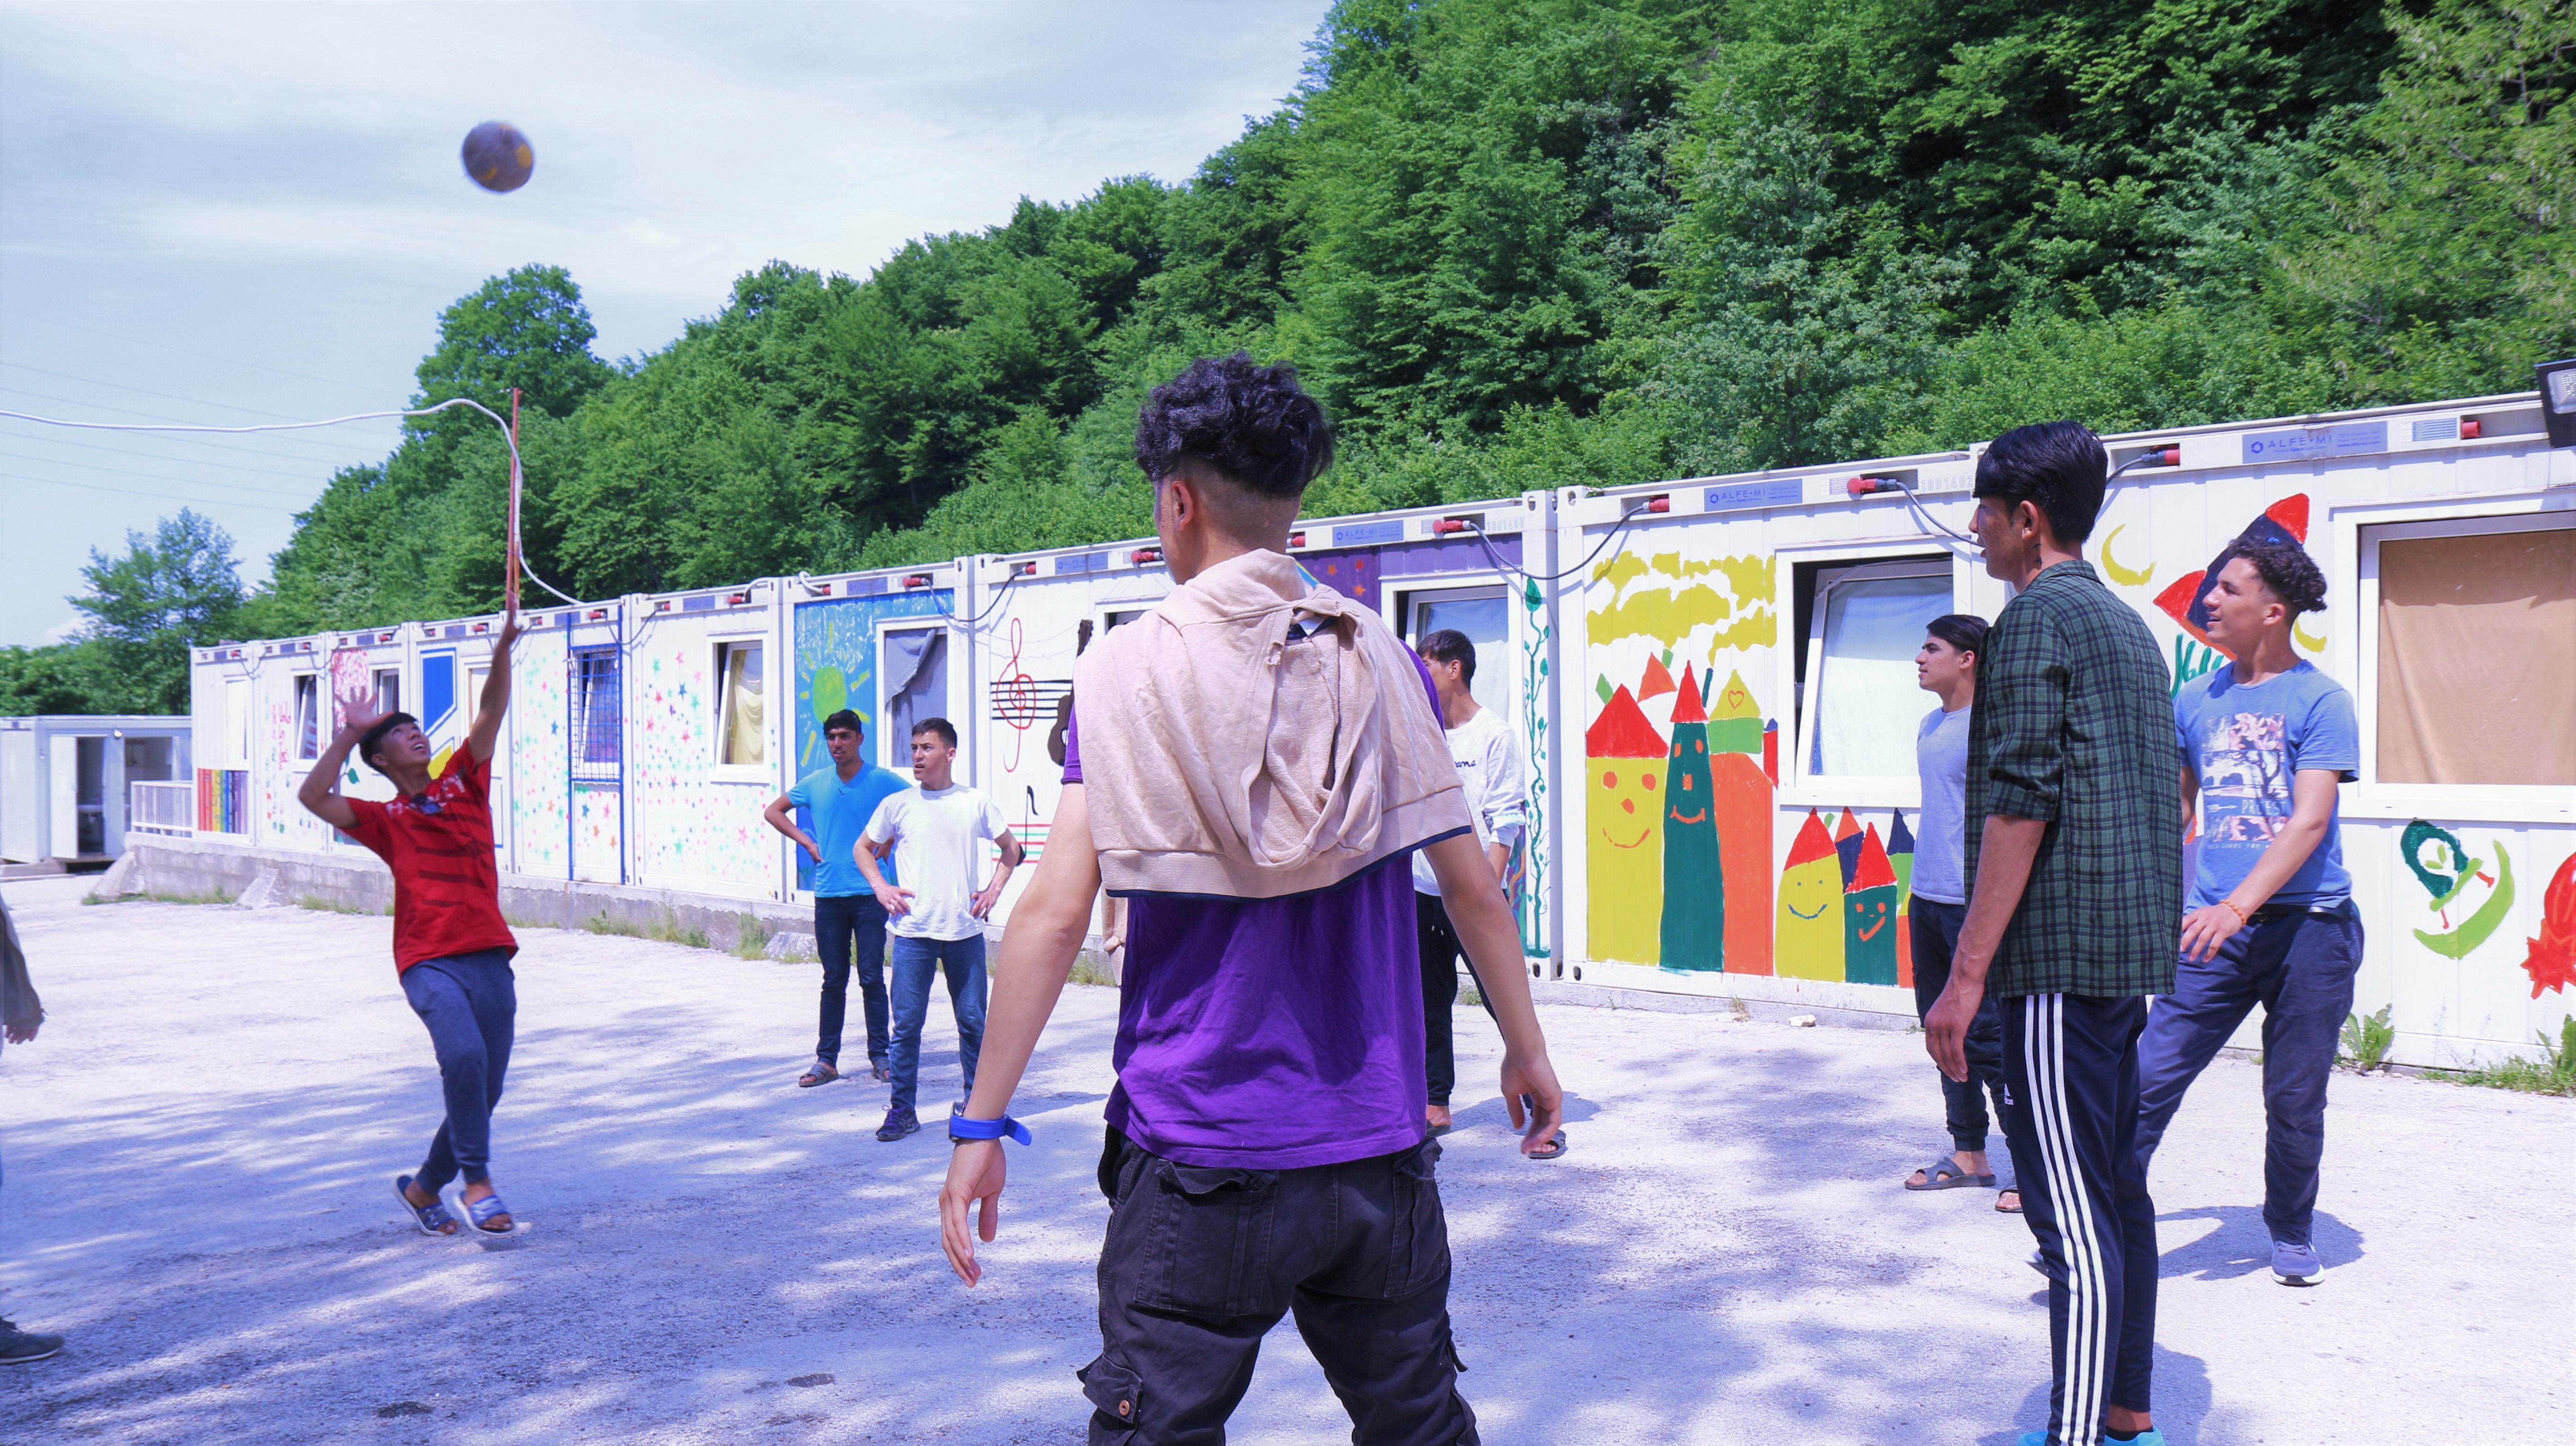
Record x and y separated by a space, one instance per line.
1947 668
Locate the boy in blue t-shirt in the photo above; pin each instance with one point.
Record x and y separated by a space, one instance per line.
2269 917
840 800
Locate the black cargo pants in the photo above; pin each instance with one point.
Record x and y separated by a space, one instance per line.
1200 1262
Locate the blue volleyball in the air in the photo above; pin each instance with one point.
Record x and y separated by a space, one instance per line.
498 157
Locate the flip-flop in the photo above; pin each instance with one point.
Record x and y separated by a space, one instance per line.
433 1218
820 1074
484 1209
2003 1209
1553 1149
1946 1174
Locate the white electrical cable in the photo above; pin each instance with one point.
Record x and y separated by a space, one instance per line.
506 440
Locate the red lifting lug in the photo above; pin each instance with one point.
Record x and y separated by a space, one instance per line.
2468 429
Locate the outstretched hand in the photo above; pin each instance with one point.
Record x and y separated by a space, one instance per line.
976 1171
358 712
510 628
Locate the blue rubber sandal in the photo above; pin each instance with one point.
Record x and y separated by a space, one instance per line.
484 1209
433 1218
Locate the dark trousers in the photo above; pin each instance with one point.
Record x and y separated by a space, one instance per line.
2071 1061
840 921
916 962
2299 966
1936 937
471 1004
1440 955
1200 1262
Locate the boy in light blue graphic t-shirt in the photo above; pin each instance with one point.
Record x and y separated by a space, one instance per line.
2266 742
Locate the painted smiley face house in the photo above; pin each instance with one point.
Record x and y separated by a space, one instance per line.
1715 701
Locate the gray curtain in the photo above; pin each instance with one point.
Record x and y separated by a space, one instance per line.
916 674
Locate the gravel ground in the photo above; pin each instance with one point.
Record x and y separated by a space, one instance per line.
199 1149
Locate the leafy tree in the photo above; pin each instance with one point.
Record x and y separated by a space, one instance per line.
1524 243
171 591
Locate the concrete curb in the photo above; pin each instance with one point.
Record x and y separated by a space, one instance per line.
361 883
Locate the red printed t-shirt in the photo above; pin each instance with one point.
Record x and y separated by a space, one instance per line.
447 892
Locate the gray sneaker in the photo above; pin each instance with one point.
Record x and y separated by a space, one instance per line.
18 1347
899 1122
2295 1264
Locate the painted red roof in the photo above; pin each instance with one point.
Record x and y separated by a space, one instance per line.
1622 730
1812 843
1875 870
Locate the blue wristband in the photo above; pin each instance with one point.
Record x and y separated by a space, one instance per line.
962 1128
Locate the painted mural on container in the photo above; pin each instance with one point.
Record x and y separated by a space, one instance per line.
538 797
2469 889
836 668
2550 960
1678 799
686 823
1529 860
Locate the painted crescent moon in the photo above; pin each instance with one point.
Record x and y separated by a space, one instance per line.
2122 575
2300 635
2474 931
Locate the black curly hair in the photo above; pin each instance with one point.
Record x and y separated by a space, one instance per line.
1245 422
2288 573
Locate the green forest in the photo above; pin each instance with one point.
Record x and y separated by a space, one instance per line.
1517 244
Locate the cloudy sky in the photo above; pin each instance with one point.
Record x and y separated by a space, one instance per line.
230 214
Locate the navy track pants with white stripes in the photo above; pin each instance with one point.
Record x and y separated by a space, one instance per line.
2072 1062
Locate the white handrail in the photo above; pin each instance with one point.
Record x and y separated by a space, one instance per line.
161 807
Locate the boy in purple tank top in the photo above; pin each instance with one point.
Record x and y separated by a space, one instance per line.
1270 1032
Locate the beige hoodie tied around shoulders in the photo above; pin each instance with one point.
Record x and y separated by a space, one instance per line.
1222 758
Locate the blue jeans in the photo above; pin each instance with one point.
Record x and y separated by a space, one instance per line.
1963 1102
2299 966
915 961
841 920
471 1004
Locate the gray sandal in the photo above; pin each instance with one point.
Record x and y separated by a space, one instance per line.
1945 1174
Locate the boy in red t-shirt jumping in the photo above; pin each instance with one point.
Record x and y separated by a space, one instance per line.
451 947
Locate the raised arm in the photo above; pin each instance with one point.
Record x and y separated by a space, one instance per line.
320 791
1484 926
496 690
1038 951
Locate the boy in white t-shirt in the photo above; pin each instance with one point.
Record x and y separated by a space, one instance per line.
1489 768
936 832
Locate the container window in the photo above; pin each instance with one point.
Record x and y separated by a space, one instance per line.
740 739
2476 678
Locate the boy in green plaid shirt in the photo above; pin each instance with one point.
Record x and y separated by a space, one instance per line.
2074 854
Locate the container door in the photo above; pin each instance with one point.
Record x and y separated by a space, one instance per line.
63 820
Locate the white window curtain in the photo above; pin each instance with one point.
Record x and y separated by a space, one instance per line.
1863 704
741 739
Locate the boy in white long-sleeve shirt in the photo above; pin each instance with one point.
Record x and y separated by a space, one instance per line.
1489 766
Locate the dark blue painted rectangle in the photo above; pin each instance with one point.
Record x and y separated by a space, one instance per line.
866 586
1733 496
2307 444
1082 562
1369 534
2440 429
696 604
